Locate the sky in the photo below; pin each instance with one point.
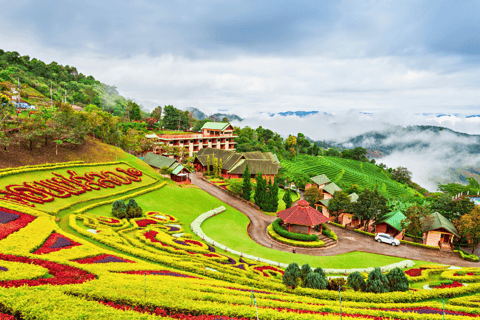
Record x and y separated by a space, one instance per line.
367 64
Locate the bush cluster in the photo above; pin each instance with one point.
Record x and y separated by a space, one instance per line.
378 282
277 226
126 211
305 277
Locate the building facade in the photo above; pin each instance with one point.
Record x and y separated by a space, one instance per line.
217 135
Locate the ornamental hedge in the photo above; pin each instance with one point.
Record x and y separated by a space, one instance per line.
277 226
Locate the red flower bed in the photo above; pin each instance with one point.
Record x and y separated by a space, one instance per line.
455 284
465 274
165 313
414 272
145 222
150 235
4 316
15 223
429 310
268 268
195 242
160 273
62 274
56 242
109 221
104 258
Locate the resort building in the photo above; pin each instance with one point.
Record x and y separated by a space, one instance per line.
233 163
438 231
301 217
179 173
391 223
217 135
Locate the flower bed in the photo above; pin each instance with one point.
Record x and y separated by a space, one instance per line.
454 284
17 271
414 272
104 258
61 274
142 223
13 221
112 222
159 273
161 217
262 269
56 242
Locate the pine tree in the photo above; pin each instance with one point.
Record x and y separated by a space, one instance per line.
320 272
119 209
208 166
356 281
220 165
397 281
291 275
215 167
304 273
274 195
247 184
376 282
287 198
315 281
260 191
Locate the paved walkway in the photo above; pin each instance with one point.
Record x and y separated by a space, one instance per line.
348 241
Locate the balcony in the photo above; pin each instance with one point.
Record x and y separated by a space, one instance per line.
193 136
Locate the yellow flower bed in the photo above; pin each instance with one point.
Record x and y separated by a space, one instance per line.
19 271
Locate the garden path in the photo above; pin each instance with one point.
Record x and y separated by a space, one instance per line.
348 241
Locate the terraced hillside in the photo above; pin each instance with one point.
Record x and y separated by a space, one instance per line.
345 172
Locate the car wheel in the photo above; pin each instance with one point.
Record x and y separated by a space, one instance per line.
393 244
379 240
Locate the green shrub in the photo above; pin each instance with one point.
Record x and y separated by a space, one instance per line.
119 209
304 273
467 256
326 231
320 272
356 281
315 281
377 282
291 276
307 244
291 235
397 280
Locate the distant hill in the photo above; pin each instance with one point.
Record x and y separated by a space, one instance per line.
218 116
402 138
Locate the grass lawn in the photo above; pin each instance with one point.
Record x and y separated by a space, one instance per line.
60 202
237 238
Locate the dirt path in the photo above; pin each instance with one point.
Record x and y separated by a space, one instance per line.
348 241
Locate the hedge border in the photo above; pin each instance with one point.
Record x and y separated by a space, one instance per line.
279 238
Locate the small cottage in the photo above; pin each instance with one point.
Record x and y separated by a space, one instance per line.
391 223
301 218
438 231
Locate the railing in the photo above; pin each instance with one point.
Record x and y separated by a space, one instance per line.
193 136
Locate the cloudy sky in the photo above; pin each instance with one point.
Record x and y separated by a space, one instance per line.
367 64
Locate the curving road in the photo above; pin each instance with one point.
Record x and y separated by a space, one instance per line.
348 241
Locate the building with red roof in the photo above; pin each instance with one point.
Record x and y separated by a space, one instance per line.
301 216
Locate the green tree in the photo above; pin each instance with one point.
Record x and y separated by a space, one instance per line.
273 195
315 281
220 165
377 282
133 210
287 198
119 209
338 204
215 167
291 277
208 166
304 271
260 190
370 205
6 109
402 175
416 217
157 113
469 227
247 184
134 111
397 281
356 281
312 195
321 272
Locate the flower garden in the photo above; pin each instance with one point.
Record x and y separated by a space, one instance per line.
76 261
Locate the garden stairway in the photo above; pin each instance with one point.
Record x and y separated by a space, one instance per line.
328 241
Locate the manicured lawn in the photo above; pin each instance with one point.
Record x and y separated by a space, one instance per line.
60 202
236 237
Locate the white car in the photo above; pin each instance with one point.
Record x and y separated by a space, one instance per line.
384 237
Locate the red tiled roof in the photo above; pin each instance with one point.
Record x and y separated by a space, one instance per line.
302 214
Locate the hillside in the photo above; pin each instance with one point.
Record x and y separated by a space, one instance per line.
34 78
345 172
